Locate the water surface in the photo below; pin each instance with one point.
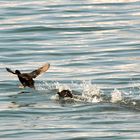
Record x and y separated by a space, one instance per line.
93 47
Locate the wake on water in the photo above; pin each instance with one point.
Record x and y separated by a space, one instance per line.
87 92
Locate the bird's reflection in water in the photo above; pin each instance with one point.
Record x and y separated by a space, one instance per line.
19 105
18 101
24 92
16 95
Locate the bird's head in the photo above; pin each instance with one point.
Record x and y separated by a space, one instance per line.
17 72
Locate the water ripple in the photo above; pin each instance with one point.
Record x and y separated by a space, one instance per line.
95 41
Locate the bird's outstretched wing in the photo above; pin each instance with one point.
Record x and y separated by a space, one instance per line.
40 70
9 70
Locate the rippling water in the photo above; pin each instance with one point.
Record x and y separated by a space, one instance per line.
93 48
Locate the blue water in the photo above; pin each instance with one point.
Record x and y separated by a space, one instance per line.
93 47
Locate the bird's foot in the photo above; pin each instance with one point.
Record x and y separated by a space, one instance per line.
21 86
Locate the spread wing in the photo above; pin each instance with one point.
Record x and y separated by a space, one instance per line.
9 70
40 70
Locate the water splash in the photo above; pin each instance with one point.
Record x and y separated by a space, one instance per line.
43 86
90 89
88 92
61 87
116 96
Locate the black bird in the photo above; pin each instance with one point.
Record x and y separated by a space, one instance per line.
26 79
65 93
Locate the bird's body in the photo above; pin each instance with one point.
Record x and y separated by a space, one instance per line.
65 93
26 79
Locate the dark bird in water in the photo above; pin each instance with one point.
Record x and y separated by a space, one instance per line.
65 93
26 79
